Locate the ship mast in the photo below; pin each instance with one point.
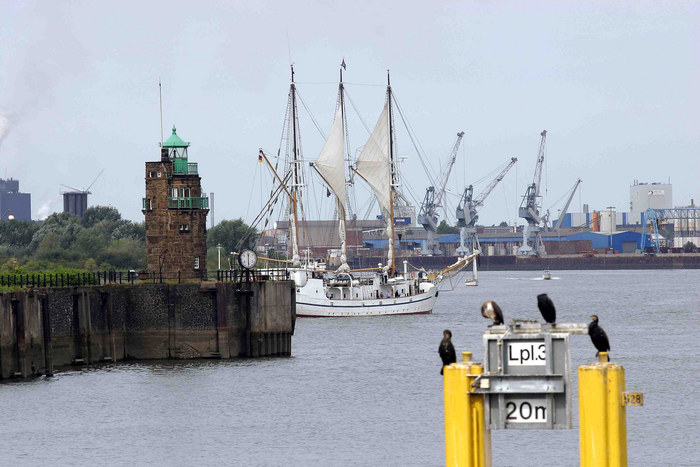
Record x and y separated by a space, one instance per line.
392 180
296 181
342 231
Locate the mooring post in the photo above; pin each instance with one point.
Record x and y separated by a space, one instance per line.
46 331
602 416
467 439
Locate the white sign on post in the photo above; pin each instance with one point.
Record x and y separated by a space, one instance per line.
526 353
527 368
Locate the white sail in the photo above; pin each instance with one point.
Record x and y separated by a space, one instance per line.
330 164
373 162
331 161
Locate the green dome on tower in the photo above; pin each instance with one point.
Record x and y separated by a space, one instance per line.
175 141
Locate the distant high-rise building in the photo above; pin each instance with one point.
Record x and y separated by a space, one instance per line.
13 202
645 196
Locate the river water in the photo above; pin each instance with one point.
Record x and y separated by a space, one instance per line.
367 391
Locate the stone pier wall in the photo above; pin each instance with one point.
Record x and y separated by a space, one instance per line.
48 328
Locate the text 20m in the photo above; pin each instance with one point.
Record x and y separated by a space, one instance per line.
526 411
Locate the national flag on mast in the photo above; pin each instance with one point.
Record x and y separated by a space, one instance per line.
343 64
259 157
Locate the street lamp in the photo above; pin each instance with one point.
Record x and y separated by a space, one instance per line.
219 247
11 217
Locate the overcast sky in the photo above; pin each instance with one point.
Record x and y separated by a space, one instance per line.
614 83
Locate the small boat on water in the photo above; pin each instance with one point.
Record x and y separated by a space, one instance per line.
546 275
474 280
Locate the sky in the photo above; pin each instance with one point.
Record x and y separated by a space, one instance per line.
613 83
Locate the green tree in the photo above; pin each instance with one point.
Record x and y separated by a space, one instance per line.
58 223
63 240
50 248
688 247
90 242
69 234
444 228
503 224
124 253
11 265
128 229
18 234
229 234
97 214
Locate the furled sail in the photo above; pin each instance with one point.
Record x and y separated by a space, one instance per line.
373 162
331 162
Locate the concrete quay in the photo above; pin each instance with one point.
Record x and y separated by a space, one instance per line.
553 262
46 329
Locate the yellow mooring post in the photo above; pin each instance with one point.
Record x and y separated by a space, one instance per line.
467 439
602 417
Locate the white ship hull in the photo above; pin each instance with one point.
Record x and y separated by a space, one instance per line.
312 301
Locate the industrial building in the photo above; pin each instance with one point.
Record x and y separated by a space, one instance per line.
319 239
507 243
645 196
602 231
75 202
13 202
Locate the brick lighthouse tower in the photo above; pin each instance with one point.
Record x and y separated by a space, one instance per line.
176 214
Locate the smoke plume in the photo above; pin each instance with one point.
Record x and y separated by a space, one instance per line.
4 126
44 211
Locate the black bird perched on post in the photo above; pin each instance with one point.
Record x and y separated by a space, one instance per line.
492 311
446 349
546 306
598 336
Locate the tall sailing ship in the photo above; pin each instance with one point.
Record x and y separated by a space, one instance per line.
346 292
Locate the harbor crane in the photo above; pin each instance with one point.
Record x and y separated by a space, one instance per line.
467 212
530 209
428 216
557 226
467 215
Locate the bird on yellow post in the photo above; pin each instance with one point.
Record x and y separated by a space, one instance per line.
598 336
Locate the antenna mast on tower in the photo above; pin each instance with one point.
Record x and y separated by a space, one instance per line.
160 99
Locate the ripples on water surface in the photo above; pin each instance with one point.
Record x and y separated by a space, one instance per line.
367 391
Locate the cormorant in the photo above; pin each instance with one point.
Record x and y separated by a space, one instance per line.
598 336
446 349
546 306
492 311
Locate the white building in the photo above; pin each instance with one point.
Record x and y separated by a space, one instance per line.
645 196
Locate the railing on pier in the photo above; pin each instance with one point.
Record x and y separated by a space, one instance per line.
66 279
267 274
83 279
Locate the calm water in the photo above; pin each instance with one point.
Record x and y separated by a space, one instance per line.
368 391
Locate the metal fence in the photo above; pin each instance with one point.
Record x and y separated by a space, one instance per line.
65 280
131 277
235 275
